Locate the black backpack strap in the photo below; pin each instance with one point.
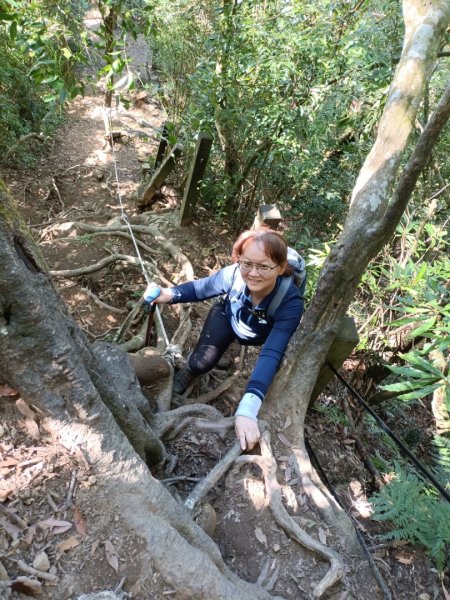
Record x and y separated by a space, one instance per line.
280 294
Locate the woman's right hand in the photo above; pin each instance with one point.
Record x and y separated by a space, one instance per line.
156 295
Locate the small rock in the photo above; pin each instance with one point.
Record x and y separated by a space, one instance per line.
276 547
92 479
41 562
424 597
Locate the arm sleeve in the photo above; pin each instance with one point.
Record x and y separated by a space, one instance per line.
286 322
208 287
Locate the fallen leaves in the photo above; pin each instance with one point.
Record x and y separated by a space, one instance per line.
55 526
79 521
71 542
111 555
259 534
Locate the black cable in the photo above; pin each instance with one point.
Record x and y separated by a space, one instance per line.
373 566
392 435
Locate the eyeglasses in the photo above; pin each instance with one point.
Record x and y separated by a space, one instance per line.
245 265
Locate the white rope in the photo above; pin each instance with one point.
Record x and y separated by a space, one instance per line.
125 219
123 214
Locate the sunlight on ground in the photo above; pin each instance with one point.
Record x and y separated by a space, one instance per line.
256 492
290 498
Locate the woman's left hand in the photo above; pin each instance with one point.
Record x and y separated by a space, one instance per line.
247 432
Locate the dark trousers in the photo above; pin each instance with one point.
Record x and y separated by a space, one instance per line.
215 337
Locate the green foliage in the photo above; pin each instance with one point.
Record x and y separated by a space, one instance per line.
49 36
409 279
291 93
417 514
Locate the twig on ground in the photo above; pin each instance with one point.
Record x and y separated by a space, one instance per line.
70 492
32 571
266 462
13 517
55 187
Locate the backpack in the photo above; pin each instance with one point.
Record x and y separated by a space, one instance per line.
298 276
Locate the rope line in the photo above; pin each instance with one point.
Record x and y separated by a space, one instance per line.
125 219
123 214
392 435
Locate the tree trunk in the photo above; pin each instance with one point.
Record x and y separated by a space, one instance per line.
374 213
83 392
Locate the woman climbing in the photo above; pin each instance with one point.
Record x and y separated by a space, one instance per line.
249 290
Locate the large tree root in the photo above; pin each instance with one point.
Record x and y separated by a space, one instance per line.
104 262
268 466
202 488
165 423
187 271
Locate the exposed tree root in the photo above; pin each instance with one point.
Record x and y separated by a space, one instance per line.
101 264
164 423
164 397
101 304
122 331
225 385
187 271
268 466
204 486
215 393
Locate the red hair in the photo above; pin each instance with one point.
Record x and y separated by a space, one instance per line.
272 242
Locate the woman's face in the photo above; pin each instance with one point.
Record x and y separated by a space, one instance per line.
259 281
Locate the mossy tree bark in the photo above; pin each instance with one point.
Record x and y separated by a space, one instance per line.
379 198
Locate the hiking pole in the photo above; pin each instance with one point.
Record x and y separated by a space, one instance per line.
150 310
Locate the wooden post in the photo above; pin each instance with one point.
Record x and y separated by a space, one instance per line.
162 144
148 189
268 214
196 173
345 341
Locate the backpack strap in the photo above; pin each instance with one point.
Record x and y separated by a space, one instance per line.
280 294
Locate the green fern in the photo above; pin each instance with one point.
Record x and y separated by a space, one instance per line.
417 514
440 452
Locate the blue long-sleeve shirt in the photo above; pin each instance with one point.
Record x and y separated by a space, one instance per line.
251 325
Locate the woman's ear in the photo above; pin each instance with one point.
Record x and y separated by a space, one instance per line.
283 267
